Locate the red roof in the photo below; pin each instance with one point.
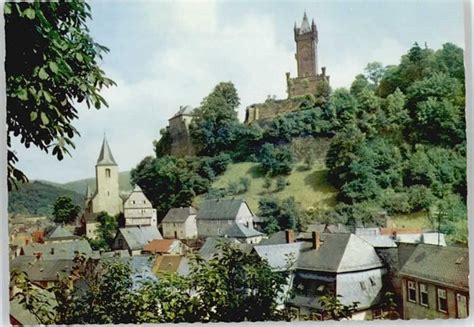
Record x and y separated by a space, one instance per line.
159 246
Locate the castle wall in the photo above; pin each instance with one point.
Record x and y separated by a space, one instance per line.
181 143
304 85
270 109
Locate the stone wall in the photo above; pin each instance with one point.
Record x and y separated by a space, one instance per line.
299 86
181 143
270 109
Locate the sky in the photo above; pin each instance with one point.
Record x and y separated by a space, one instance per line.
164 54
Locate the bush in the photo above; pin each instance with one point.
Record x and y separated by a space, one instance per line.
276 161
280 183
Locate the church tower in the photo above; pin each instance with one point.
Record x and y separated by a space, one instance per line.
306 38
106 197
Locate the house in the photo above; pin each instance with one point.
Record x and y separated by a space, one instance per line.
162 247
216 216
337 264
59 234
435 282
135 238
180 223
243 234
137 209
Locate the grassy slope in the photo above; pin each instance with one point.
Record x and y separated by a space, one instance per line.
412 220
309 187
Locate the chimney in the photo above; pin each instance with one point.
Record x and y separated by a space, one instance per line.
316 238
290 236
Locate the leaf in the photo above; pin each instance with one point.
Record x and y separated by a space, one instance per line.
44 119
79 57
7 9
30 13
33 115
54 67
22 94
42 73
47 96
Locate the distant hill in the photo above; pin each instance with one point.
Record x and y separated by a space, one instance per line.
37 198
80 185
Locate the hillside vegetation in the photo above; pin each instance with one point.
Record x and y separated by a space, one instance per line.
37 198
308 186
80 186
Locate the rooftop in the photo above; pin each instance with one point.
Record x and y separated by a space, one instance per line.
220 209
178 215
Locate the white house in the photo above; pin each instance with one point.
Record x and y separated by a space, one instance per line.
137 209
180 223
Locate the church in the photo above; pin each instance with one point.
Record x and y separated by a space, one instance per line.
137 209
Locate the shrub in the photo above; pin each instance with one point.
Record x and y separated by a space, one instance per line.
276 161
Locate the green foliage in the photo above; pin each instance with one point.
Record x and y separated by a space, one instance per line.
276 160
37 198
64 210
213 129
173 182
280 183
279 214
163 145
334 309
374 72
231 287
54 67
108 226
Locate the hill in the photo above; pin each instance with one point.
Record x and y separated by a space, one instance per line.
309 187
80 185
37 198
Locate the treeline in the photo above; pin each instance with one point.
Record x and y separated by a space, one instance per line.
37 199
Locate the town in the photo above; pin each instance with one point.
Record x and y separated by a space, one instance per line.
331 270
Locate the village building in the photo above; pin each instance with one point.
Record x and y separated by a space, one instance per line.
180 223
106 197
435 282
135 238
138 210
244 234
59 234
338 264
216 216
59 250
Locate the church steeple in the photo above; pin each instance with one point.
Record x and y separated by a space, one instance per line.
105 157
305 28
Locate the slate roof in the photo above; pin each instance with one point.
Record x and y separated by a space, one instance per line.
275 238
379 241
138 236
65 249
219 209
105 156
338 253
339 228
372 231
241 231
209 248
42 269
24 316
184 110
316 228
60 233
305 28
280 257
444 265
179 215
141 266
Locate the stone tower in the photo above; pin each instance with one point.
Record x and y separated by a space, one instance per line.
106 197
308 80
306 38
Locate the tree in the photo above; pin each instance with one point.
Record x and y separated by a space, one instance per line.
213 130
359 84
52 69
276 160
374 72
334 309
279 215
106 231
65 211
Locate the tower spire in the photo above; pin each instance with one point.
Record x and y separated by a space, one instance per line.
305 28
105 156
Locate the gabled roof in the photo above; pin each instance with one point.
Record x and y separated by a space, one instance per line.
138 236
179 215
209 248
338 253
280 257
105 156
379 241
160 246
276 238
241 231
220 209
43 269
60 233
445 265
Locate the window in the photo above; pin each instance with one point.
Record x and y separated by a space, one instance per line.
362 286
372 281
107 172
423 294
442 300
411 291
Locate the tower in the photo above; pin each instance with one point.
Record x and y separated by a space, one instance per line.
306 38
106 197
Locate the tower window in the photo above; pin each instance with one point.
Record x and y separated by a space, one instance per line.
107 172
